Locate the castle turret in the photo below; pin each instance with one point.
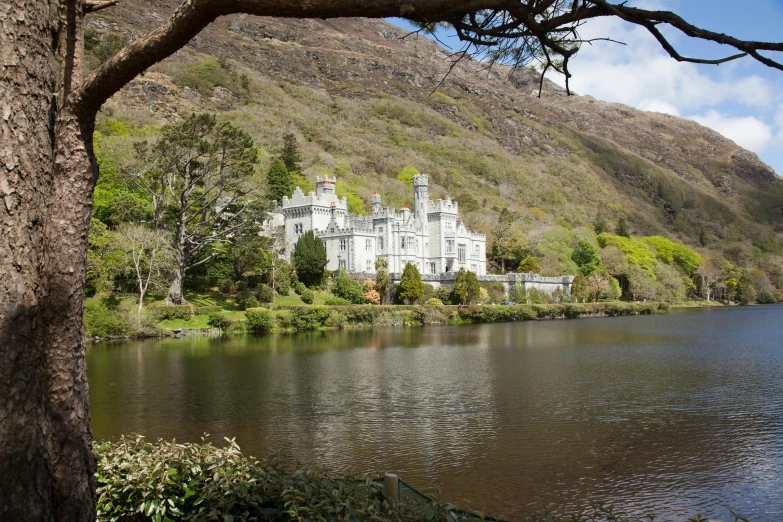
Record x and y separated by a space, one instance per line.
421 194
376 202
325 186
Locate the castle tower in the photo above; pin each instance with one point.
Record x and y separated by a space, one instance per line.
376 202
421 194
325 186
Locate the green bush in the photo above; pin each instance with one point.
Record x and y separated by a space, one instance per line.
309 317
307 296
101 321
138 480
349 289
163 312
299 288
265 294
573 311
226 287
434 301
219 320
206 310
333 300
246 299
259 320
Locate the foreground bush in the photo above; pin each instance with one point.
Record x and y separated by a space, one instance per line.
138 481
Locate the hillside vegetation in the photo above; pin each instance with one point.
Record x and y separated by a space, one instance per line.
538 175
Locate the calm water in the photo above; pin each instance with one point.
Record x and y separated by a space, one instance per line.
677 414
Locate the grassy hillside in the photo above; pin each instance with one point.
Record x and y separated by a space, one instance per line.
365 103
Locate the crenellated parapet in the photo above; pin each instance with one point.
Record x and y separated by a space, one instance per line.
445 206
299 199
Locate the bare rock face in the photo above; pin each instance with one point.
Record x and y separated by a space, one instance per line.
751 169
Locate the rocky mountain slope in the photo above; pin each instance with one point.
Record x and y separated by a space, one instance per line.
366 100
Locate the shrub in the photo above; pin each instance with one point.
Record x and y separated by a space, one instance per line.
139 480
265 294
283 285
573 311
309 317
336 319
246 299
299 288
534 296
226 287
163 312
101 321
206 310
372 297
434 301
219 320
333 300
307 296
259 320
349 289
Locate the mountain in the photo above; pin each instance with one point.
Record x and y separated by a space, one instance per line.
366 100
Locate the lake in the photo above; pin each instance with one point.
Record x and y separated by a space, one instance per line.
674 414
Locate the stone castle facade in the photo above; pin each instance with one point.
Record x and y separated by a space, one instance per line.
432 236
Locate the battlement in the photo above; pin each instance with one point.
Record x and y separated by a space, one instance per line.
421 180
443 205
299 199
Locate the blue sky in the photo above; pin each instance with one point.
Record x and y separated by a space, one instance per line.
743 100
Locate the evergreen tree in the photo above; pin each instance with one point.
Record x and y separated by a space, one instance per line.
529 265
466 287
410 289
382 279
290 155
599 225
579 288
622 228
279 181
309 258
586 258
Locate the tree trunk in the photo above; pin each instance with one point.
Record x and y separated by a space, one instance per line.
46 181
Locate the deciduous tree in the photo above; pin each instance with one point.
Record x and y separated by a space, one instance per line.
48 172
466 286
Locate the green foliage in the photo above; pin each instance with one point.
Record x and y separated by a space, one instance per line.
585 256
264 293
299 287
99 47
637 251
333 300
614 292
309 258
246 299
219 320
434 301
163 312
410 288
205 75
529 265
164 480
466 286
259 320
349 289
670 252
279 181
290 155
579 287
226 287
534 296
307 296
406 175
382 278
102 321
622 228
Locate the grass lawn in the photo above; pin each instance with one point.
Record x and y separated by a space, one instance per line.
198 321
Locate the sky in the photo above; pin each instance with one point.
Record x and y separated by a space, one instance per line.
743 99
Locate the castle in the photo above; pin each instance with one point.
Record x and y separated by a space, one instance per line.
432 237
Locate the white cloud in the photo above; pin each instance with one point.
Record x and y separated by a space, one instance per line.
748 132
642 72
657 106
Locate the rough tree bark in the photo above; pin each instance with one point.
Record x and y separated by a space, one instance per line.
47 175
47 172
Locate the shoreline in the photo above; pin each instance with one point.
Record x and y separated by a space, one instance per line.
298 318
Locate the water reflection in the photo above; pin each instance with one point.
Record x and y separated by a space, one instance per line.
678 413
